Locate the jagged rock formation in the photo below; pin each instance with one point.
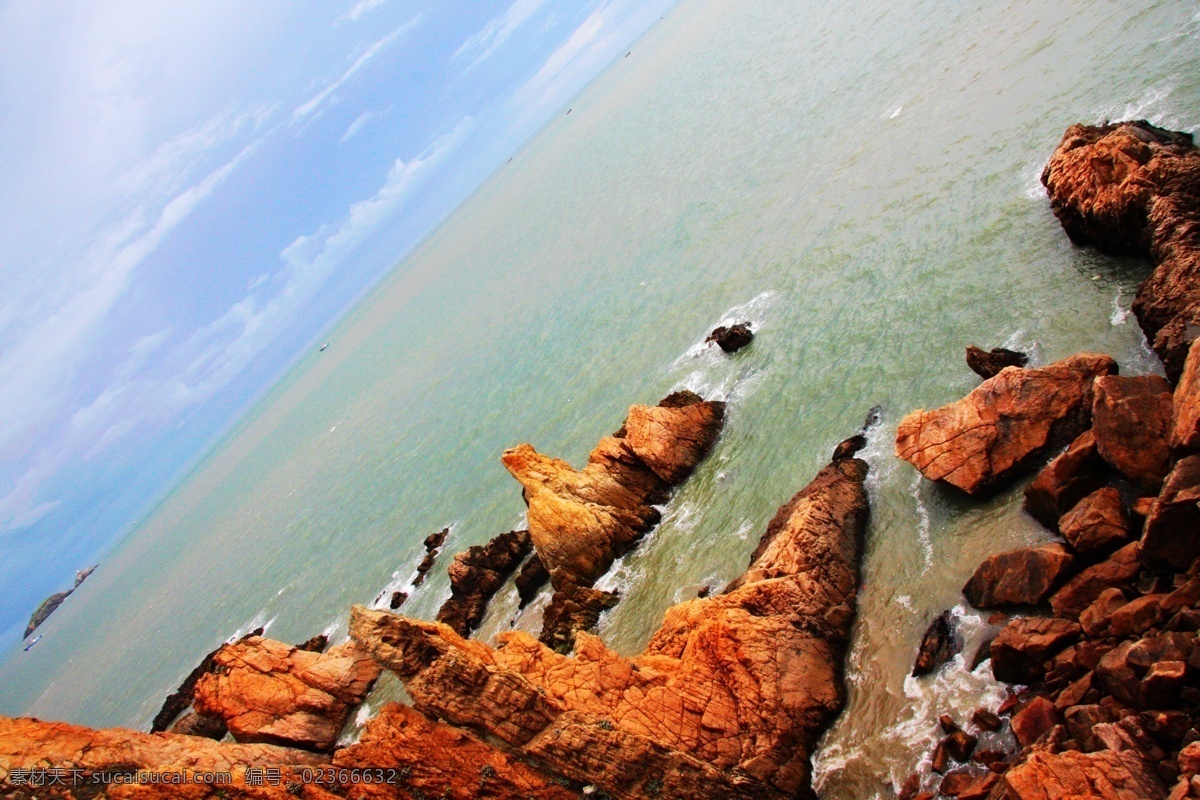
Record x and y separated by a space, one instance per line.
731 338
580 521
54 747
51 603
1004 426
728 699
182 697
1133 189
440 761
268 691
531 578
476 574
988 364
433 546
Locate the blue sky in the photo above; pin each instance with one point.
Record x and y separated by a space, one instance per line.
193 191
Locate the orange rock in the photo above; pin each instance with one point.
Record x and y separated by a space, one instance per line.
476 574
1082 590
1004 425
1068 478
1097 522
30 744
1171 536
580 521
1105 775
439 761
267 691
1018 577
1131 418
1185 428
1132 188
727 700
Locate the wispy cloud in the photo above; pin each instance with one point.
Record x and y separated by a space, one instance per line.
314 104
156 382
362 121
497 31
361 7
596 41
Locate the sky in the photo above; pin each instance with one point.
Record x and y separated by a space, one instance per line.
193 191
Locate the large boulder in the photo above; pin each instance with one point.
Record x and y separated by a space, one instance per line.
1132 188
1004 426
728 699
1018 577
1021 647
1171 537
1082 590
731 338
268 691
1068 478
1131 418
476 574
1097 523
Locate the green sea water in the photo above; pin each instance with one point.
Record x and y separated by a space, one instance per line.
859 180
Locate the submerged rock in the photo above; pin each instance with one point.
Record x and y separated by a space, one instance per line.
939 644
1004 426
271 692
476 574
1134 189
681 720
988 364
732 338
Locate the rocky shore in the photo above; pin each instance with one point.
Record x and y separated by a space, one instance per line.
1095 630
1103 653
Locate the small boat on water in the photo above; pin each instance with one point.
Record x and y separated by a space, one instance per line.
322 350
36 639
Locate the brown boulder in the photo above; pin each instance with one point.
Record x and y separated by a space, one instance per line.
673 439
728 699
1135 617
1185 427
1162 683
1131 418
1082 590
1171 537
433 546
1071 775
531 578
1067 479
1004 425
1034 720
478 573
1132 188
267 691
440 761
1095 618
1018 577
193 724
1097 522
732 338
988 364
939 644
573 608
1023 644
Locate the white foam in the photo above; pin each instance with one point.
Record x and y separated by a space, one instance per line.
1020 342
1121 310
923 523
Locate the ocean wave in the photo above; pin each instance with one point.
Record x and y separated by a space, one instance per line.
1121 310
923 523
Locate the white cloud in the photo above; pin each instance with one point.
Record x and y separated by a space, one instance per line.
361 7
596 41
361 122
210 357
314 103
497 31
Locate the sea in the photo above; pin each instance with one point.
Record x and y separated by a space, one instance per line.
858 180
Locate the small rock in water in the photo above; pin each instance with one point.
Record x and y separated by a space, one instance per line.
988 365
397 600
939 644
732 338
